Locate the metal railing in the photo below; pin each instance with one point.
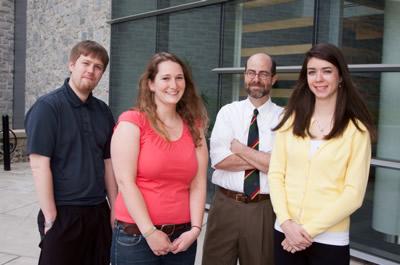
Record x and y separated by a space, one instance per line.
354 68
9 143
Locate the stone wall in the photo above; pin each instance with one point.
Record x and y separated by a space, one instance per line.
19 154
6 56
53 28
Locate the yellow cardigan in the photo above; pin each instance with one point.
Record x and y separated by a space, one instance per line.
321 191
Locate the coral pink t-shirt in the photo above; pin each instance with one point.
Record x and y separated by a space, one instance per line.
164 173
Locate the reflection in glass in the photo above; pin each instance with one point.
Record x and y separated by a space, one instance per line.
363 235
283 29
386 210
132 45
122 8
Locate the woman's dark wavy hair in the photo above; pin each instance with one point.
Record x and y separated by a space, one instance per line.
350 105
190 107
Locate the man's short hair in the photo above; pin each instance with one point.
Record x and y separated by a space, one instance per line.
89 48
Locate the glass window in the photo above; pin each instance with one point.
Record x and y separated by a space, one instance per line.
180 33
367 31
122 8
132 45
283 29
375 227
382 95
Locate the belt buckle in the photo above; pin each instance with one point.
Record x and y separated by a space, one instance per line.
169 229
241 197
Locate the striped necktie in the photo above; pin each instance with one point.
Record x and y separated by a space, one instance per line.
252 176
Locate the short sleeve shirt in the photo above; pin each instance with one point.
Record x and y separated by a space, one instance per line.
76 136
165 170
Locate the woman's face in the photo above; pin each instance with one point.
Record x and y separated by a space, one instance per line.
169 83
323 79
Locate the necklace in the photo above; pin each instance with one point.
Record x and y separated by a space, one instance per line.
321 128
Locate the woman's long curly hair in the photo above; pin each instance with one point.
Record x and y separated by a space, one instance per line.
350 106
190 107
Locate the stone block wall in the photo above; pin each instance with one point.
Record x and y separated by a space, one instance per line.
19 154
53 28
6 56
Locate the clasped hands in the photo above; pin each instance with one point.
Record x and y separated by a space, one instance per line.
160 243
297 239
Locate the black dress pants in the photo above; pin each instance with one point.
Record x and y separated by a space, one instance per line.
316 254
81 235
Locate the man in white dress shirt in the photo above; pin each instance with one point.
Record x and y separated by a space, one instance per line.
240 226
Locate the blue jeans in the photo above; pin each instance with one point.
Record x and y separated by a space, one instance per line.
134 250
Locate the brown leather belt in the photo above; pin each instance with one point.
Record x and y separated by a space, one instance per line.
169 229
241 197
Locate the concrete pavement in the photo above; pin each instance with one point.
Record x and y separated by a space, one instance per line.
19 237
18 210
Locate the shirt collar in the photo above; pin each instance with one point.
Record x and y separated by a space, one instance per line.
263 109
73 98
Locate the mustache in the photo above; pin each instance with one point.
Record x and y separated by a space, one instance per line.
256 83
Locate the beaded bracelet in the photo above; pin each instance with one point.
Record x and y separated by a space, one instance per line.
149 232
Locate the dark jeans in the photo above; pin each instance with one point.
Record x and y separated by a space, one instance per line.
316 254
134 250
80 235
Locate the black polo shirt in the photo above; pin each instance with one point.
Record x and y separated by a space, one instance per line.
76 136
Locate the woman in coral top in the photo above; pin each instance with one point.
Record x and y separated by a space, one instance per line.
320 162
160 157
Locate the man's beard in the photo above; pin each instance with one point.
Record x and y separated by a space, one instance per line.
87 86
257 93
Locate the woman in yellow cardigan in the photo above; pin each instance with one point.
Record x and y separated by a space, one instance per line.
320 162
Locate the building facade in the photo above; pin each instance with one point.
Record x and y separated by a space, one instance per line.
6 55
215 37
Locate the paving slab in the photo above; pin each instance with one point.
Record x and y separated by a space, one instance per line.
23 261
19 237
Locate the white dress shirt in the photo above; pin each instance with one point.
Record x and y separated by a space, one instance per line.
233 122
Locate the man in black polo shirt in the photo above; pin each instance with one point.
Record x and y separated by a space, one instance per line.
69 133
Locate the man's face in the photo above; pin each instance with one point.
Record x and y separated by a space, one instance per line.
86 73
258 78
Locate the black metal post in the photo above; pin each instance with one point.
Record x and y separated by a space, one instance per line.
6 144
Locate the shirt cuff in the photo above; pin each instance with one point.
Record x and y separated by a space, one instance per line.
219 156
